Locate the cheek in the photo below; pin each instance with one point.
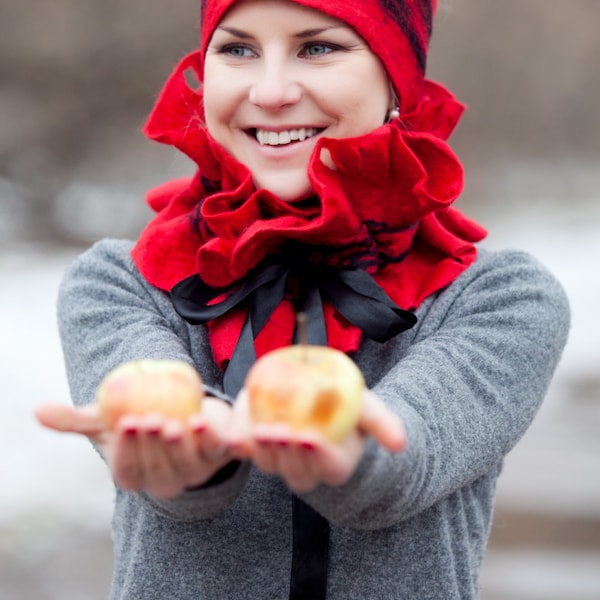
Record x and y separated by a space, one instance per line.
363 110
361 98
377 89
220 102
213 109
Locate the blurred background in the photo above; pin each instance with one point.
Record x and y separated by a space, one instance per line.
78 78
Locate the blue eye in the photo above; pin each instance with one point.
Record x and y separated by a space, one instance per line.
237 51
318 49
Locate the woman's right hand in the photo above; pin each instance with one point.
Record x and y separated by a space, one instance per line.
151 453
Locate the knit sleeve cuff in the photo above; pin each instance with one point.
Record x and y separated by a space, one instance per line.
207 500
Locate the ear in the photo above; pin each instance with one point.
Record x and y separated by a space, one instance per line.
393 104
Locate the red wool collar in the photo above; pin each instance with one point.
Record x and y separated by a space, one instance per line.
385 208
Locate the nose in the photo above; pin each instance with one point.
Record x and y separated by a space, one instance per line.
275 87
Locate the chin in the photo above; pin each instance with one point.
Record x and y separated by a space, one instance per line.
286 187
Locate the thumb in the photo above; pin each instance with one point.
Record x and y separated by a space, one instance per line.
385 426
240 438
61 417
326 159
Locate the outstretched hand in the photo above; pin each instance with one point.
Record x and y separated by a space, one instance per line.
166 456
151 453
306 459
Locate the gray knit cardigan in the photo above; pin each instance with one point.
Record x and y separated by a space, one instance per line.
467 381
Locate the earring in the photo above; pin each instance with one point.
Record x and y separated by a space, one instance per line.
394 113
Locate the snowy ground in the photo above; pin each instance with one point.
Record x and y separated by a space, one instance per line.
55 495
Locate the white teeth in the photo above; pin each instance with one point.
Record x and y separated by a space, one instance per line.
281 138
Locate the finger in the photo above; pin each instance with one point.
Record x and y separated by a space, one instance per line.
385 426
160 475
278 451
181 447
332 463
264 456
123 455
239 437
61 417
193 468
269 442
212 441
207 444
296 467
326 159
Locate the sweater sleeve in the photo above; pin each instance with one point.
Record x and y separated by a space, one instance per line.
467 388
108 314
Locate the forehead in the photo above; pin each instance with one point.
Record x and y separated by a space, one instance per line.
282 9
214 11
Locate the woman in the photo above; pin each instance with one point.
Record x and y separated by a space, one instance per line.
324 184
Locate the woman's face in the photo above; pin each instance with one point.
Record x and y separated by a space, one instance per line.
277 77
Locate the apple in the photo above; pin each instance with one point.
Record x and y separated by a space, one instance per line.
307 387
171 388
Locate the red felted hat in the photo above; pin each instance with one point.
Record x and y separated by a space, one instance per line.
397 31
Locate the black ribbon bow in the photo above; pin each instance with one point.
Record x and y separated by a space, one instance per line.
351 291
356 296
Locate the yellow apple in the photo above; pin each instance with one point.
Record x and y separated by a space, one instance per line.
307 387
169 387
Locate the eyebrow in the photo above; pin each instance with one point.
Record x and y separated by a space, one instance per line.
307 33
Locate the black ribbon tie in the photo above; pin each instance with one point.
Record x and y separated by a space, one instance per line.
352 292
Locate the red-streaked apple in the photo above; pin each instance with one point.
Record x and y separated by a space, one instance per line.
171 388
306 387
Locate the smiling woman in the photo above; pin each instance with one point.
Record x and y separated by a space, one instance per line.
324 186
274 87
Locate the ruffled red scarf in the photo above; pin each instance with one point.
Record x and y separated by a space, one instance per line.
384 208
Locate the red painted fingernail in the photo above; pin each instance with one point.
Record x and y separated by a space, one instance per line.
307 446
130 431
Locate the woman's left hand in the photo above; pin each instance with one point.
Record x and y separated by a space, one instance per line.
305 459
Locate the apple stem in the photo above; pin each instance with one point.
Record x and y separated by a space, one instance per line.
302 334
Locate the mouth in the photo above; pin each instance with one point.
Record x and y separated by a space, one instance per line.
286 137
